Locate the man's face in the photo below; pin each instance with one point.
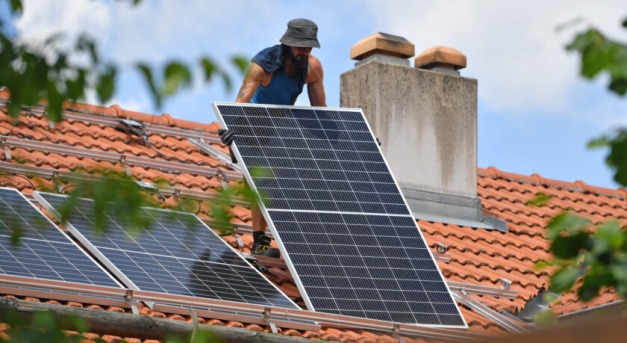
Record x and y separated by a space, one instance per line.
300 56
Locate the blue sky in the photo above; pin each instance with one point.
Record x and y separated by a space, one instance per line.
535 113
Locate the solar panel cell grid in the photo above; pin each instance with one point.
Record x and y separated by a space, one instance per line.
43 251
177 254
338 215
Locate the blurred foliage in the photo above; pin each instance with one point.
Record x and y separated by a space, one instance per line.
43 327
588 258
34 71
617 157
114 193
604 56
220 209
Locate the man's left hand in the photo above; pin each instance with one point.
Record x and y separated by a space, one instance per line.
226 136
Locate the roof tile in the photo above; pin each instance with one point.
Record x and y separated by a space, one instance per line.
477 256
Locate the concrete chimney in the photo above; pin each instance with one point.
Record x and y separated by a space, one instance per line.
426 119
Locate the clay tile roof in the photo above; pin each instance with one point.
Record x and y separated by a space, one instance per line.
474 256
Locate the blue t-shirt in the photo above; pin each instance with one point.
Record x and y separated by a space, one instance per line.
282 89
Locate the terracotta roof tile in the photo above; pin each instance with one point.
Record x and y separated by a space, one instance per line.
477 256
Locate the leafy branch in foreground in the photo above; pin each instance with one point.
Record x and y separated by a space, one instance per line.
113 193
41 71
587 257
617 157
221 207
601 55
42 327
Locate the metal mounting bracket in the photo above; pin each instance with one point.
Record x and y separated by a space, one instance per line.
397 333
266 318
240 242
127 170
137 128
7 152
128 297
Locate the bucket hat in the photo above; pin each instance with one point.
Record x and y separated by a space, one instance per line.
301 33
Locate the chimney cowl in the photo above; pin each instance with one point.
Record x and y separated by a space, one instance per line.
382 44
440 57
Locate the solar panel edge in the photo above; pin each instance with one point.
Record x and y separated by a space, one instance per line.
127 281
91 248
211 232
273 229
397 185
67 241
264 211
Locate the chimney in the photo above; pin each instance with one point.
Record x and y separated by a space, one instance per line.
426 119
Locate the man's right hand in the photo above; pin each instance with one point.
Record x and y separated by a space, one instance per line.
226 136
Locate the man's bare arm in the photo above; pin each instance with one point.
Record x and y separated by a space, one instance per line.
254 77
315 85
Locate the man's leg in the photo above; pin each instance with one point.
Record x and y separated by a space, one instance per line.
261 243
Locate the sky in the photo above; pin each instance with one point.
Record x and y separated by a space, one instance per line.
535 114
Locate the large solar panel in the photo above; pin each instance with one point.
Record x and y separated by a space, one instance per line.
42 250
178 254
338 215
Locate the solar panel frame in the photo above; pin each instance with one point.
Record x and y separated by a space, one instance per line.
56 239
232 262
271 222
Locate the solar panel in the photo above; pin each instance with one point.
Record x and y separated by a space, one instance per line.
178 254
43 251
338 215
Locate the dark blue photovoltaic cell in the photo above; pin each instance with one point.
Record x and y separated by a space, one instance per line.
177 254
338 214
43 251
376 258
320 160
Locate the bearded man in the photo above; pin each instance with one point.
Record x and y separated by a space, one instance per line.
277 75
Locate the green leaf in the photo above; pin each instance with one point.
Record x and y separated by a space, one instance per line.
80 324
596 277
208 67
598 142
611 233
106 84
545 318
76 87
44 320
617 158
87 44
618 85
211 69
241 63
176 75
16 7
228 85
564 279
540 200
569 247
16 234
55 103
566 222
619 272
542 264
146 72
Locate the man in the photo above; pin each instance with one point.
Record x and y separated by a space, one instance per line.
277 76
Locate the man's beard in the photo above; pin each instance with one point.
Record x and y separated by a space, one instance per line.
300 61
